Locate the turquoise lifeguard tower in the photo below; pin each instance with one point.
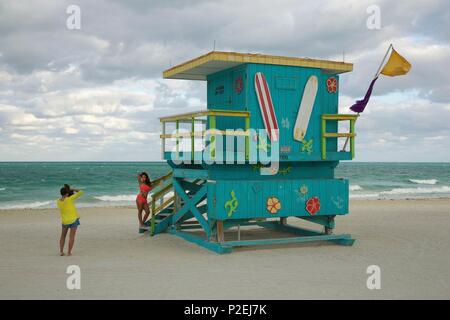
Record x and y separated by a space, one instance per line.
232 187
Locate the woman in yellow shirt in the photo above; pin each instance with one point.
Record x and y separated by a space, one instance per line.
69 216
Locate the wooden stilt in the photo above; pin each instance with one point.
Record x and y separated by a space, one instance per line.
220 233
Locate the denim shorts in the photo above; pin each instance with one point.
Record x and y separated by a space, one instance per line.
72 225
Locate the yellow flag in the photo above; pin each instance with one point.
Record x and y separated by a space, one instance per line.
396 65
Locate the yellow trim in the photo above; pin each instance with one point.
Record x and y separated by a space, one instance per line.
338 135
211 114
160 180
340 116
335 66
164 205
202 133
163 191
196 114
349 135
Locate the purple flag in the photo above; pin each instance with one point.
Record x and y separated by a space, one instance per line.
361 104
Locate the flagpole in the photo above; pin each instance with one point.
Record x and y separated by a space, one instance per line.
381 64
376 75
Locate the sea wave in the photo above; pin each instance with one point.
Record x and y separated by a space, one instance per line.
117 198
401 191
2 189
374 195
356 193
429 181
29 205
355 187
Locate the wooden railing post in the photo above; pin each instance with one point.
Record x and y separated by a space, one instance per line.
178 139
152 231
211 114
159 195
247 137
212 126
324 139
192 139
352 138
163 142
349 136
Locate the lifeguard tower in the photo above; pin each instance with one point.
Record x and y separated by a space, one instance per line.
231 186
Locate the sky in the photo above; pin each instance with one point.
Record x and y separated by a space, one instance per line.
95 93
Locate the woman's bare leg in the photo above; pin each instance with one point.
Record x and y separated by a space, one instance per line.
62 240
140 208
147 212
72 234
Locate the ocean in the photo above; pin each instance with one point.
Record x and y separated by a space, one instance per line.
37 184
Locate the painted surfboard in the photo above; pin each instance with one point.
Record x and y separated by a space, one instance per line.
266 106
305 108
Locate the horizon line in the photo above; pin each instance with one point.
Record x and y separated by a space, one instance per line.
164 161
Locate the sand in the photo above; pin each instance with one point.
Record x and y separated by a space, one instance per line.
408 239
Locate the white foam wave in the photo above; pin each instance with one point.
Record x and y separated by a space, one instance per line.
355 187
400 191
30 205
365 196
429 181
117 198
126 197
2 189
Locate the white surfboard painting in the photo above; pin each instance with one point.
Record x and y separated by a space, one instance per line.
305 108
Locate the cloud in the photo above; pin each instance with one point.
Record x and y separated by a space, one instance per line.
97 93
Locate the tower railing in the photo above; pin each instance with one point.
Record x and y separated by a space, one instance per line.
349 135
196 117
163 203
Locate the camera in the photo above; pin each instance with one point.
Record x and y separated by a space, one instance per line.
70 191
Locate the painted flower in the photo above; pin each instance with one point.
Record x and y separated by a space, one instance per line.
313 205
332 85
273 205
238 85
304 189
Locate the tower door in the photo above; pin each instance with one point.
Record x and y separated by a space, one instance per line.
219 91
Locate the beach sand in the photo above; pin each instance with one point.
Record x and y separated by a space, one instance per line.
408 239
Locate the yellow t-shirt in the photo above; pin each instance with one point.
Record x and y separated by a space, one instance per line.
69 213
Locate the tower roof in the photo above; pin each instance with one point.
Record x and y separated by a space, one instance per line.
199 68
